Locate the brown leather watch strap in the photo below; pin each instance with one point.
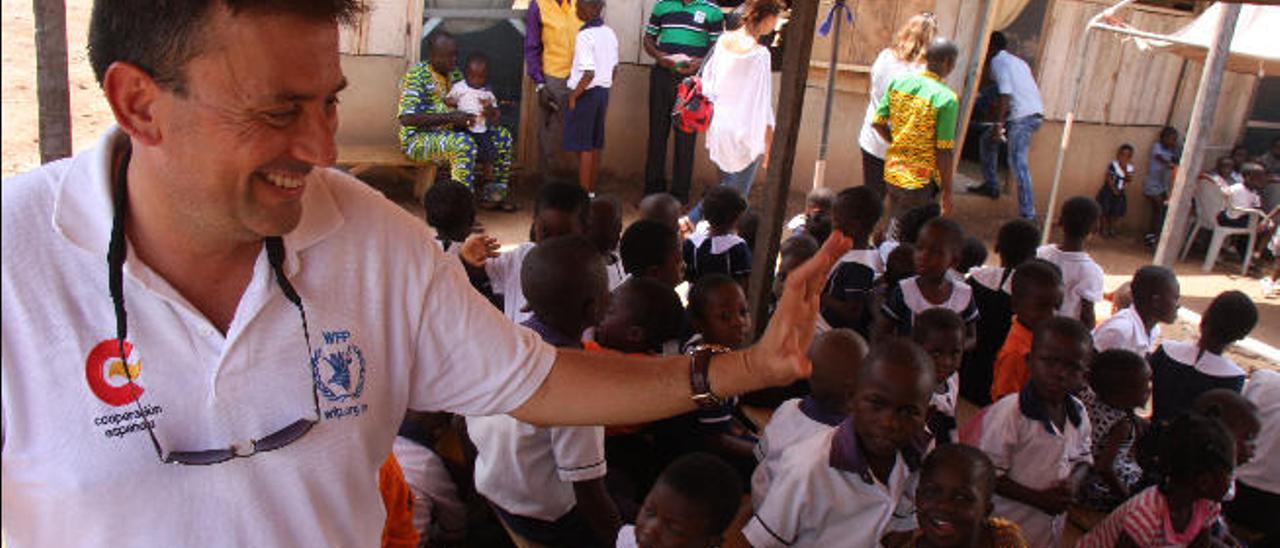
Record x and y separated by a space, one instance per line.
699 375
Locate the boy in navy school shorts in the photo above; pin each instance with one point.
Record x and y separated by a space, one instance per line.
595 56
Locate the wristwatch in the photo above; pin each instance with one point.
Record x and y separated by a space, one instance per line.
699 378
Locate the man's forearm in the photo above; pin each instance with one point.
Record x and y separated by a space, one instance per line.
1002 108
597 388
883 130
946 168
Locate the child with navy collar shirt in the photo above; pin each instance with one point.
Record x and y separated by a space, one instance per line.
1039 438
937 252
836 356
848 298
940 332
719 249
547 483
854 484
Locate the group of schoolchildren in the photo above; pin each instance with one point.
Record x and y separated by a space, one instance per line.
869 450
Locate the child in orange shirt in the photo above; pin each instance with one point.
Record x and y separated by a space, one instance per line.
1037 294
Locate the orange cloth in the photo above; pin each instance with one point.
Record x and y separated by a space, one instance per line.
1010 372
398 531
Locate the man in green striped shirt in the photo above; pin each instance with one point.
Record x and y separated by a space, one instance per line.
679 35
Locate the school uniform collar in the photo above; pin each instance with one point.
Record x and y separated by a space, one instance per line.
597 22
846 456
719 244
550 334
814 410
1032 407
83 207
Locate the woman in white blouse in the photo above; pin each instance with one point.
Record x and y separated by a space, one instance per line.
904 56
737 80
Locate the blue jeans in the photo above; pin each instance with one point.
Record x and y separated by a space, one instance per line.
740 180
1019 132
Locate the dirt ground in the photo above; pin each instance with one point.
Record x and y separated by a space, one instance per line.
979 215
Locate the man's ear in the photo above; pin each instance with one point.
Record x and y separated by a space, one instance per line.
133 96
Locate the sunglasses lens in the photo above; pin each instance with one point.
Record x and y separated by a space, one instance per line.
200 458
285 436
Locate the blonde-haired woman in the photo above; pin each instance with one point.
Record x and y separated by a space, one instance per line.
905 55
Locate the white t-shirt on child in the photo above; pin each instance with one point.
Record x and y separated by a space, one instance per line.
1081 278
596 50
471 101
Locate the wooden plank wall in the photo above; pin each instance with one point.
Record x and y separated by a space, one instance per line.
386 28
1123 85
874 23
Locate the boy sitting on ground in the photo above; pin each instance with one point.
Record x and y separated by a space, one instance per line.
1037 294
1155 293
1181 371
836 356
719 250
547 483
561 209
1081 277
940 332
690 506
1015 244
850 486
847 299
1039 437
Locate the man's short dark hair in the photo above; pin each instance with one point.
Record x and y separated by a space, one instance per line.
450 206
708 484
860 205
1079 215
1034 273
162 37
1065 327
998 43
1016 242
646 244
722 205
1231 316
566 197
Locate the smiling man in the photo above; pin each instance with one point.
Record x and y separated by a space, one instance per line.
210 337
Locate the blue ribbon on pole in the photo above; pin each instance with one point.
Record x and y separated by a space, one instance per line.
825 29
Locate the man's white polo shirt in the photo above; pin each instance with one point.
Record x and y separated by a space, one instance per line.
390 329
825 495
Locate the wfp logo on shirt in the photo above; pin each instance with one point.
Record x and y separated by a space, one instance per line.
338 368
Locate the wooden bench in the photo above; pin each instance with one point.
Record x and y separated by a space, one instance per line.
362 158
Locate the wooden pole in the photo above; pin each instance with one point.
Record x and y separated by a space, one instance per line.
820 168
972 78
53 92
798 45
1202 112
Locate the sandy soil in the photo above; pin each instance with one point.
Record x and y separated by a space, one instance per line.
981 216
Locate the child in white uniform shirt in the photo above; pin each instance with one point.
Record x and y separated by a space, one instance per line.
547 483
1039 438
1081 277
851 486
940 332
1155 300
473 96
848 299
595 55
837 356
690 506
560 209
937 252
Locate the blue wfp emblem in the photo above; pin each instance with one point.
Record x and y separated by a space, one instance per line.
338 367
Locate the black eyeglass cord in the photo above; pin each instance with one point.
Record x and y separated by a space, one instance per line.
117 251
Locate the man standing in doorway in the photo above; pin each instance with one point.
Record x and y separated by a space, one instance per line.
551 27
679 35
1019 113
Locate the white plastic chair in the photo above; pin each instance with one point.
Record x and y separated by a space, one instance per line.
1210 200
